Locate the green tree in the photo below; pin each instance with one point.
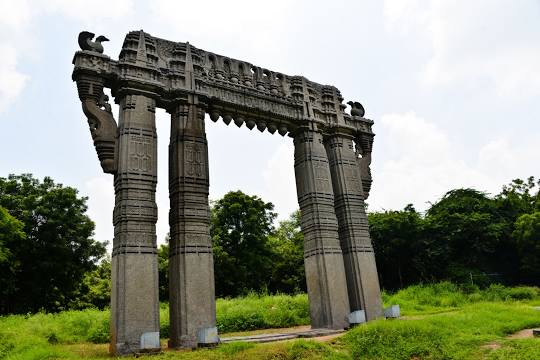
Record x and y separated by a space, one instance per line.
163 270
287 246
527 235
11 235
95 290
240 225
404 255
57 249
518 198
468 222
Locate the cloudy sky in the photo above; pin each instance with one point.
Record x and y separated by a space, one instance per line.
453 87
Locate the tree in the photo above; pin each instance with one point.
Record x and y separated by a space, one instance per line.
518 198
11 235
287 246
468 222
163 270
527 235
95 289
404 255
240 225
57 249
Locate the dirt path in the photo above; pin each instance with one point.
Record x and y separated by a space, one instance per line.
522 334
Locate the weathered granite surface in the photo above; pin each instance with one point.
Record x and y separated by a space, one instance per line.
332 167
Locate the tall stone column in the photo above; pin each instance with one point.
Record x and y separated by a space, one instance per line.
358 255
134 298
325 275
191 263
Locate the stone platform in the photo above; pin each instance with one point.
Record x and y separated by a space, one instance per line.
264 338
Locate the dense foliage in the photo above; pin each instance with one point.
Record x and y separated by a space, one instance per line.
249 253
466 237
240 227
49 261
46 245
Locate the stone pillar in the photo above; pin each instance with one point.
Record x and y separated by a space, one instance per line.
191 263
325 275
358 255
134 298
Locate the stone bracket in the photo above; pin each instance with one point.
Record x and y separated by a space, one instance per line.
102 124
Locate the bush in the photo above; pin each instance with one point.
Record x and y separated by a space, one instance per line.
261 311
395 340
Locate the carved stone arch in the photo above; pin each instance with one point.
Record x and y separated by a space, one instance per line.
332 182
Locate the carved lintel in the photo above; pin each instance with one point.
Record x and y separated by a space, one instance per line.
103 127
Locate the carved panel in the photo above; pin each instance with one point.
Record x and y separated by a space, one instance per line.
322 177
140 156
194 162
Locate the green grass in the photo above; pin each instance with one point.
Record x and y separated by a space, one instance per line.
522 349
253 312
453 335
442 321
445 296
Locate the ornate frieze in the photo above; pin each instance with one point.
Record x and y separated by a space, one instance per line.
172 69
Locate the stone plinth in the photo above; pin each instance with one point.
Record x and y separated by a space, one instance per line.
325 274
134 298
191 265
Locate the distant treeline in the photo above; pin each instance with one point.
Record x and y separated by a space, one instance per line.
49 261
466 237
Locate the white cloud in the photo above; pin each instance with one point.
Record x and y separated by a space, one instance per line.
18 35
474 42
422 163
279 181
12 81
15 15
100 192
90 11
245 29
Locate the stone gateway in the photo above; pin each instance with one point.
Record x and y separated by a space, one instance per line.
331 161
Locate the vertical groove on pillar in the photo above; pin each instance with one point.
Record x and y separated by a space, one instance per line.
191 264
134 299
358 255
325 275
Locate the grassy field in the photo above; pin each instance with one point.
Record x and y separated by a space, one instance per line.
440 321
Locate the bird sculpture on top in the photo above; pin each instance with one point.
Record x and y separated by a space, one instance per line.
86 43
357 109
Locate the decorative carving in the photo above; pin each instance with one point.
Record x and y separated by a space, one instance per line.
103 129
140 157
86 43
357 109
364 143
194 160
189 82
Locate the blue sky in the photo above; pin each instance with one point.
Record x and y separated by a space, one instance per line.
453 87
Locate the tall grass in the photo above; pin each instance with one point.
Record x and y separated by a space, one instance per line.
35 336
454 335
445 296
462 318
252 312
